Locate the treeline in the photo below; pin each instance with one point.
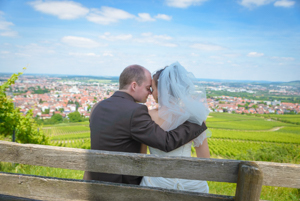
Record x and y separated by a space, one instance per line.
33 90
58 118
256 96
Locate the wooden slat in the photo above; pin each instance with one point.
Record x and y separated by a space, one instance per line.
120 162
45 188
15 198
276 174
280 174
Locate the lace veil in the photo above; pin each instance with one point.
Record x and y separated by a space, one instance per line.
180 100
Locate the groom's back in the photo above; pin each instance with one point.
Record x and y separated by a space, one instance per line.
110 131
110 125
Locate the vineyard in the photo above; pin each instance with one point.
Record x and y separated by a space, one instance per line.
274 138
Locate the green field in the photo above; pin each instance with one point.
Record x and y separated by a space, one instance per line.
274 138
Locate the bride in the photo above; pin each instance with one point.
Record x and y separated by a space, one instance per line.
179 100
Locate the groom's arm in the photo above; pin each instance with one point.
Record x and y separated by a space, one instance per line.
146 131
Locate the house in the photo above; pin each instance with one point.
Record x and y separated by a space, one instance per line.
72 107
252 111
45 116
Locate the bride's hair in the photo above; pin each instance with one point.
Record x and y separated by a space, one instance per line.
156 75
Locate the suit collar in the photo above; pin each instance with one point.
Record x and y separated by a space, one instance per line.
123 94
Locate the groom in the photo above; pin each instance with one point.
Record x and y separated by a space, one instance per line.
121 124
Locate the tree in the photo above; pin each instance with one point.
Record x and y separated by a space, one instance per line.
57 118
77 105
75 117
89 108
46 111
12 119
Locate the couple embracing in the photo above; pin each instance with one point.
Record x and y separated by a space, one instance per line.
121 124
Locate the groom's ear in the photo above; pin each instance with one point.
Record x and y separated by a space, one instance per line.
133 86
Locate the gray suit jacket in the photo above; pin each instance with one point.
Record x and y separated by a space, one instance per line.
120 124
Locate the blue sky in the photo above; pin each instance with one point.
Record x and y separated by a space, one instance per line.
214 39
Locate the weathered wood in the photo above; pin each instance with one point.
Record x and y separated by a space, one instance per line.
45 188
14 198
280 174
276 174
249 184
120 163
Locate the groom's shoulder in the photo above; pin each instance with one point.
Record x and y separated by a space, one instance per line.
119 101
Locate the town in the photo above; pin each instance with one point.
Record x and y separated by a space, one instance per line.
47 96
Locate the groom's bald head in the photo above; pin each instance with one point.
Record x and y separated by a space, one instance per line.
132 73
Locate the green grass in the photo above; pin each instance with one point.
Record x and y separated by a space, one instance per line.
71 136
231 148
260 124
70 129
68 124
213 117
41 171
290 129
83 143
278 136
267 193
295 119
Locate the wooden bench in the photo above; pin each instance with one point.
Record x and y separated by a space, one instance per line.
249 176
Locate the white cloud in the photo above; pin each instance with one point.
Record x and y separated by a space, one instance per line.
255 54
284 58
34 49
284 3
184 3
163 17
160 40
207 47
256 3
66 10
252 3
83 54
80 42
108 54
107 15
23 55
4 25
9 33
108 36
231 55
4 52
145 17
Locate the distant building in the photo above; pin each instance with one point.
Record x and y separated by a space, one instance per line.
275 102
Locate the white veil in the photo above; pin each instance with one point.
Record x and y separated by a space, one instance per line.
179 100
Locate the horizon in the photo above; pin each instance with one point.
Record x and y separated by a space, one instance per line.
107 76
215 40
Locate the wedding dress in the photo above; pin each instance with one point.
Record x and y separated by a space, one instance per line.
179 101
173 183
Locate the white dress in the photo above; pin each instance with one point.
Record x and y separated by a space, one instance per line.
173 183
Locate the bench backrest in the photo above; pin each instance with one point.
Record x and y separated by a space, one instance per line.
241 172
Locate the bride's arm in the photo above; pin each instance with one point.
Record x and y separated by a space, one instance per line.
143 149
203 150
152 114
